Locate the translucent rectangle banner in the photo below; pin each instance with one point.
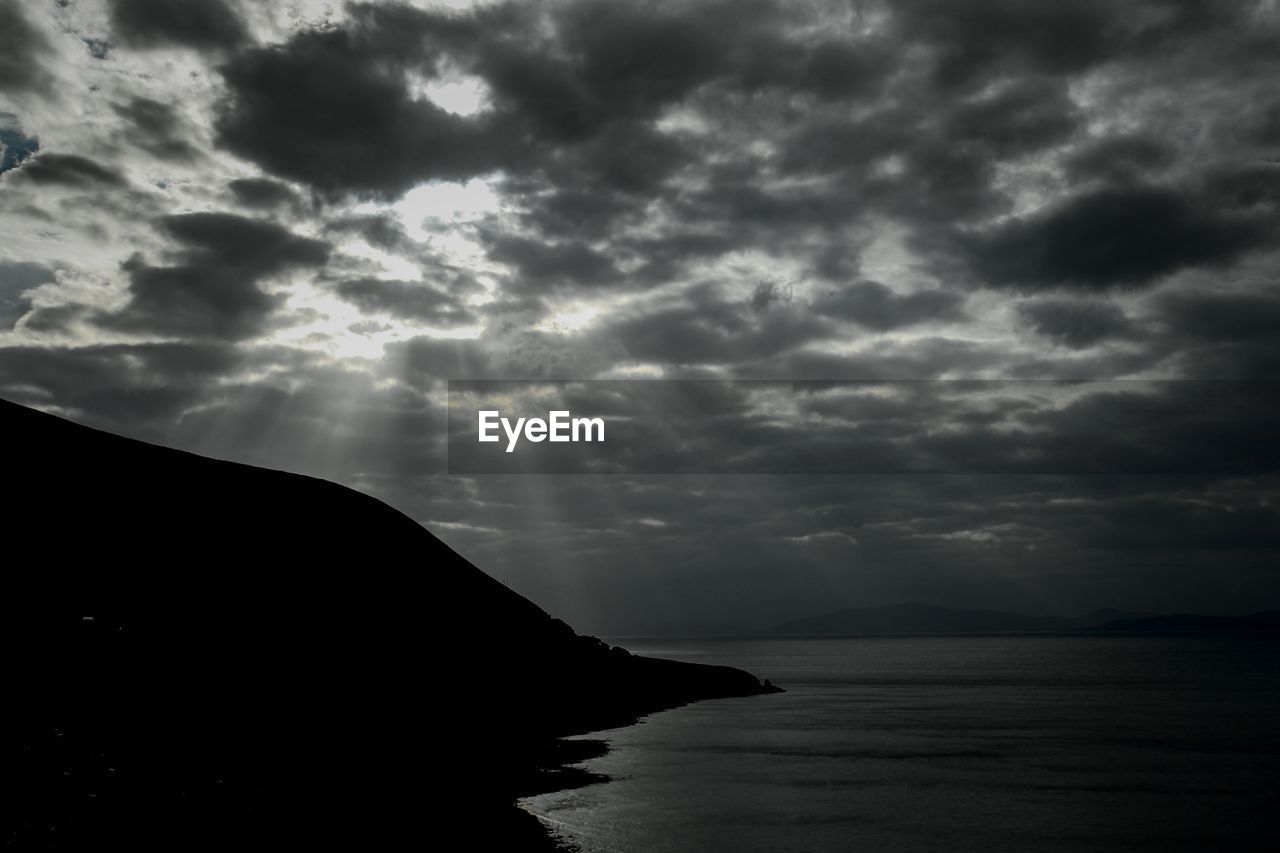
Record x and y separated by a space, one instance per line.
863 427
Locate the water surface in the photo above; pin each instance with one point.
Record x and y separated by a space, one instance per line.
948 743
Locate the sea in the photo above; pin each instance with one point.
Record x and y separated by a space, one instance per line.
972 743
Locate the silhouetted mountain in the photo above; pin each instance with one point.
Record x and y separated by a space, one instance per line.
291 664
1103 616
1193 622
914 619
928 619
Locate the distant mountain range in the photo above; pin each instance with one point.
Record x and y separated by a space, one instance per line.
929 619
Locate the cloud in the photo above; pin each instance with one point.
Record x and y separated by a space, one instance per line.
407 300
68 170
263 194
1076 323
199 24
324 110
337 109
156 128
1225 335
906 190
22 52
1116 237
1223 316
711 327
134 389
382 230
992 37
874 306
1019 118
55 318
539 265
1117 159
17 277
212 290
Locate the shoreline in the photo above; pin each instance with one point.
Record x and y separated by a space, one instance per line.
575 747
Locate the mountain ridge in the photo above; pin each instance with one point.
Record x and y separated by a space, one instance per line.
282 661
925 619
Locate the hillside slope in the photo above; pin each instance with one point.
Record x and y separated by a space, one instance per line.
284 661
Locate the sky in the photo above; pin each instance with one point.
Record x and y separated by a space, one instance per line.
273 232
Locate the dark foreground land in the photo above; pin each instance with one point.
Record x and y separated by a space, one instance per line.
291 664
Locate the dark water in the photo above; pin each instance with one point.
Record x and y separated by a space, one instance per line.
950 744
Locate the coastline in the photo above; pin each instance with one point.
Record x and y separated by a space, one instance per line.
553 767
239 698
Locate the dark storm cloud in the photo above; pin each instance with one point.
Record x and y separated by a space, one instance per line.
612 62
872 305
381 230
989 37
584 190
1262 127
541 266
263 194
134 389
1174 523
324 111
1076 323
735 198
1223 335
68 170
1178 426
1111 238
925 159
1244 190
712 328
1223 316
1022 117
830 68
199 24
407 300
824 143
263 247
317 109
1116 159
22 50
571 113
211 289
156 128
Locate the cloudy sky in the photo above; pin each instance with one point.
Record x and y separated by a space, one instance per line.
272 232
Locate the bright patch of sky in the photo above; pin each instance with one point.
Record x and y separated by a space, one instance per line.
445 202
462 95
15 146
